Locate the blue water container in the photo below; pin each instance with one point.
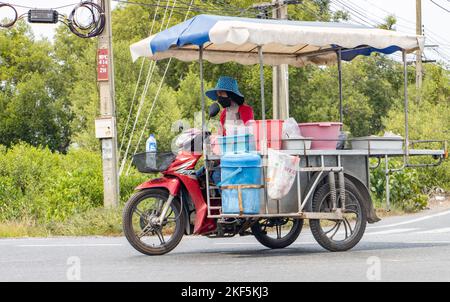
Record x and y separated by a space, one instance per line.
236 143
240 169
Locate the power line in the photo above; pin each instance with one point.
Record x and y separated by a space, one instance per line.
358 12
363 12
29 7
438 5
360 16
144 92
438 37
154 99
363 22
197 9
406 20
382 9
137 84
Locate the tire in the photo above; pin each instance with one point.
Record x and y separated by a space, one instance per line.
130 230
274 243
355 204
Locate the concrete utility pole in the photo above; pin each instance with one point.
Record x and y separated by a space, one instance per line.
280 77
418 52
106 123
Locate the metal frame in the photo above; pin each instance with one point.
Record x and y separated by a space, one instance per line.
337 214
341 111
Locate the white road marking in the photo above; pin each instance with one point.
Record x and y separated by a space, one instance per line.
254 243
435 242
394 231
412 220
435 231
70 245
237 243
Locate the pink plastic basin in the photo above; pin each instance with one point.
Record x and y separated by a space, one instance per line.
321 130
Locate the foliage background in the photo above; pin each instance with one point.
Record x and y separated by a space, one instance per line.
50 167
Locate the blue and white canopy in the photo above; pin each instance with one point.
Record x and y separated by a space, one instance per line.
233 39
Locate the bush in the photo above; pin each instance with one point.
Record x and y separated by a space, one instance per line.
406 189
38 185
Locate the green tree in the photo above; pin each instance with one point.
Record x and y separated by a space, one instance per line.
34 106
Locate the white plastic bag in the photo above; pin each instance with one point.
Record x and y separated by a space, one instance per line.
291 129
281 172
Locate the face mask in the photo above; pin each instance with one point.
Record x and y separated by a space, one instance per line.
224 101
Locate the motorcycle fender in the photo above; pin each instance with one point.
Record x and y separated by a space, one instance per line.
171 184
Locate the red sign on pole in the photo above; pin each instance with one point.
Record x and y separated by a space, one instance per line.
102 64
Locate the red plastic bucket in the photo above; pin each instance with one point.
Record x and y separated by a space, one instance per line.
321 130
274 130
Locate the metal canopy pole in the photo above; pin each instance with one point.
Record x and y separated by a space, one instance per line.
263 104
341 112
388 191
202 90
405 84
261 78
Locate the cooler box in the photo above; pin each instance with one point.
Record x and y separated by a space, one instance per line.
241 183
274 130
323 130
236 143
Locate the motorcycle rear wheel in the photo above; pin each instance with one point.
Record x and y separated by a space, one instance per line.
141 231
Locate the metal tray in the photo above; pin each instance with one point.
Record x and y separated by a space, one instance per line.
296 143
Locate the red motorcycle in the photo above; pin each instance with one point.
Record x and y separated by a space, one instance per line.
164 209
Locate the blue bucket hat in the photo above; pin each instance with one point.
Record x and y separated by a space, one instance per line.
224 84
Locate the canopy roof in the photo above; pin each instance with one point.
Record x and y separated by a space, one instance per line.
234 39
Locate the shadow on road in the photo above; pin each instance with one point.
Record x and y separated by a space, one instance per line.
307 250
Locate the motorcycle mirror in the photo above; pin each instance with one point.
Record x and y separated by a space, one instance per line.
214 109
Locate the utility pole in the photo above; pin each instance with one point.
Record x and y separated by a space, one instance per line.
280 76
106 124
418 52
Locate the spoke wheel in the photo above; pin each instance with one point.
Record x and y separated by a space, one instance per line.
343 234
141 223
277 233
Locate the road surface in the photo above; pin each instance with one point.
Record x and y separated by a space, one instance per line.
405 248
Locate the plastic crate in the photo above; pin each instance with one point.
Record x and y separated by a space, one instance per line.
236 143
274 130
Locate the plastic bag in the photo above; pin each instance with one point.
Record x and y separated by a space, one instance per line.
281 172
291 129
341 140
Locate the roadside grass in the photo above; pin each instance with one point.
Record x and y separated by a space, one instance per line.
98 222
21 229
108 222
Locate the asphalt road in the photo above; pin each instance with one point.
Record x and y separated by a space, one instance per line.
406 248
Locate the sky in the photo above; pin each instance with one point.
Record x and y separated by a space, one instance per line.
436 20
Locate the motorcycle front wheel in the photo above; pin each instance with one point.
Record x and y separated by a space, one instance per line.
141 222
